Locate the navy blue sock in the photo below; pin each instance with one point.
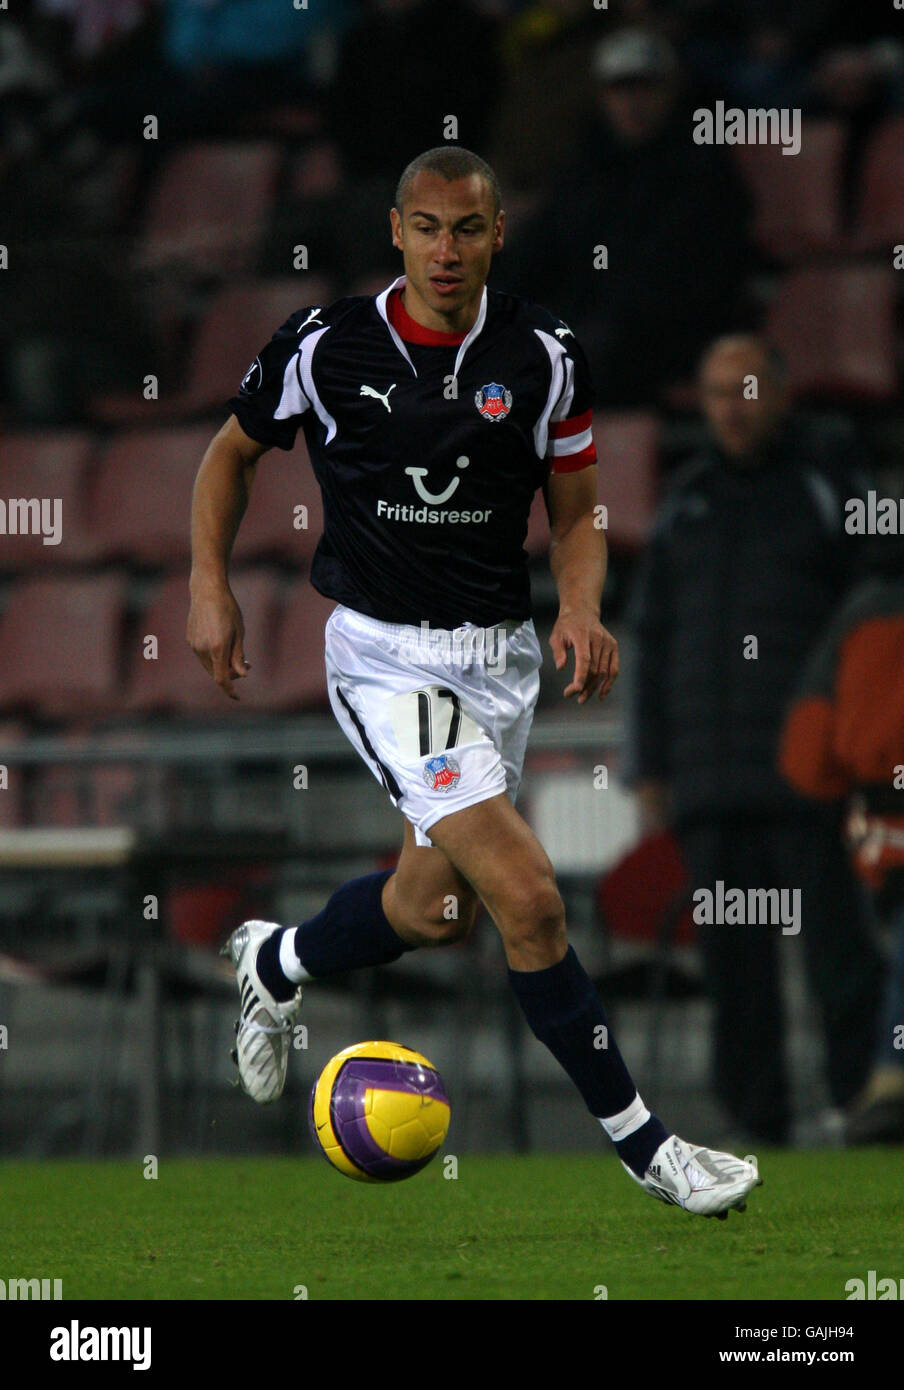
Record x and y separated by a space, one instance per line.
565 1012
350 932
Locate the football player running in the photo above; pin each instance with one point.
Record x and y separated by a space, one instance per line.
432 413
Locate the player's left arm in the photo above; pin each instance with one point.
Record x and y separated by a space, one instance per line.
577 559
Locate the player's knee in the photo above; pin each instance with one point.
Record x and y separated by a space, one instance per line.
533 914
445 920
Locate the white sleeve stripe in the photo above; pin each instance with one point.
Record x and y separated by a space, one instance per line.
563 407
557 381
293 400
572 443
308 391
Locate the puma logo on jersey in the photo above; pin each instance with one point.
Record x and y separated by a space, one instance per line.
563 331
311 318
369 391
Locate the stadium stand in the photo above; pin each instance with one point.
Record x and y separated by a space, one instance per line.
879 222
836 327
49 464
210 206
142 495
797 200
175 682
60 640
299 677
627 447
273 527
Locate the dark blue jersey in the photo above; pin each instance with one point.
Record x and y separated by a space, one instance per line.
428 457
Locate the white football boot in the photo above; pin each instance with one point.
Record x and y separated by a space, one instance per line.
700 1180
263 1034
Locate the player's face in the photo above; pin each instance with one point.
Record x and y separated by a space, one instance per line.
740 423
448 234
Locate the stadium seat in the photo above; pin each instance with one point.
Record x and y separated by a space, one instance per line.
879 218
315 172
176 682
48 464
141 501
836 327
211 206
299 679
628 450
61 642
797 198
272 527
240 321
627 447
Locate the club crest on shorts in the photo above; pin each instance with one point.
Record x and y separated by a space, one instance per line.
441 773
493 401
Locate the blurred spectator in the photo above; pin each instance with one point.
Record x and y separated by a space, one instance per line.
748 561
844 740
668 215
402 70
97 25
546 91
62 288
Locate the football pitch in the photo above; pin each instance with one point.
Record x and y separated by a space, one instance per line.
539 1227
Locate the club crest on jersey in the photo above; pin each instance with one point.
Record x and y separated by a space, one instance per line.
441 773
493 401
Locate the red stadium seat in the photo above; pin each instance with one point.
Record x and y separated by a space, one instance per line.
141 500
274 525
176 682
240 321
628 450
797 198
627 447
61 643
299 680
316 172
879 221
48 464
836 327
644 887
211 205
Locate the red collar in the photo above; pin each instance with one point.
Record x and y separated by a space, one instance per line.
410 331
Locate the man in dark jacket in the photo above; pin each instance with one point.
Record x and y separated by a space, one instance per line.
748 561
643 238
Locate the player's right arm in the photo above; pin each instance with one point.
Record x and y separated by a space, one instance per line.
222 488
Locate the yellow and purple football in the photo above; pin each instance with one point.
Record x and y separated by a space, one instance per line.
379 1111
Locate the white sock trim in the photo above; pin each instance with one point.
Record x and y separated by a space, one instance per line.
623 1124
289 963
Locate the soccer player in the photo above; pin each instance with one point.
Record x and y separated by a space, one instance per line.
432 413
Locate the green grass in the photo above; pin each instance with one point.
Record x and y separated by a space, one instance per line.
545 1227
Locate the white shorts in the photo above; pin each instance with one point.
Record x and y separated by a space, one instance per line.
440 717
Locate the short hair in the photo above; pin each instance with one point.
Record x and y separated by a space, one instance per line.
451 162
